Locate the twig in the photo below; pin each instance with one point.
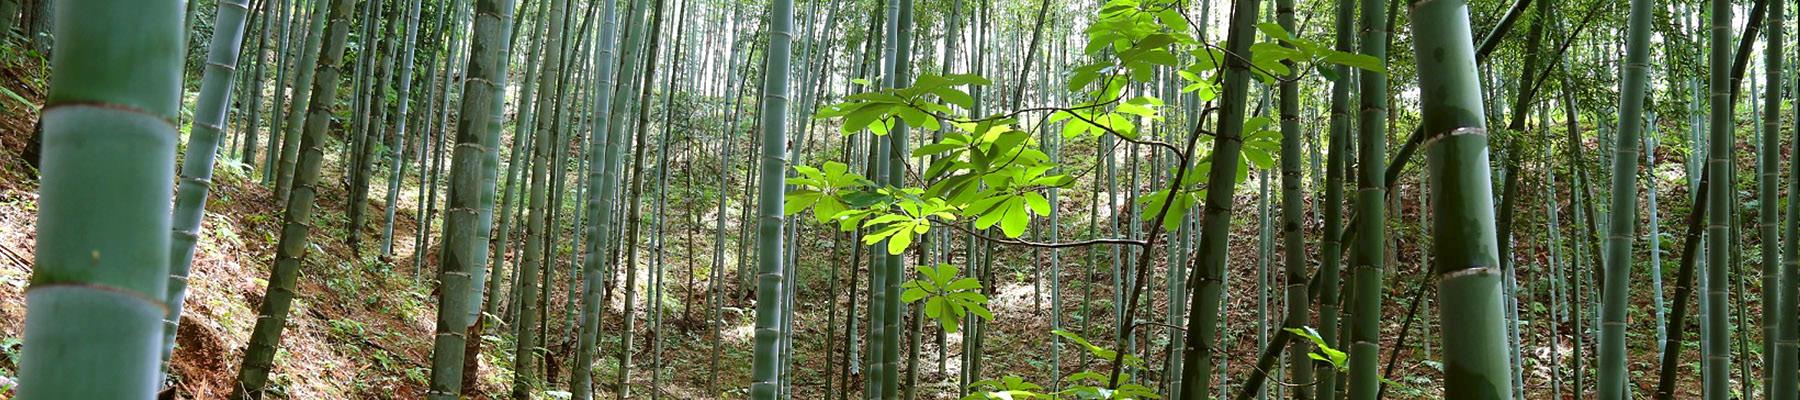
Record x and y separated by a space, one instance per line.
15 257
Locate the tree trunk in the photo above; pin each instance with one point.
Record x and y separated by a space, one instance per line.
1467 253
1623 222
1371 242
465 250
108 166
1719 247
1209 260
196 169
765 368
259 356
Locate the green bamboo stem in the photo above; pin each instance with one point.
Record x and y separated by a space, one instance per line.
771 284
515 168
716 283
465 249
286 12
1717 353
436 134
303 85
360 146
1264 235
254 81
103 241
1580 216
601 189
1209 268
1684 281
403 94
277 113
196 169
364 168
1783 382
1768 184
1655 234
9 13
568 72
1367 262
526 381
633 203
1336 165
899 75
259 356
1466 251
490 180
1292 211
1553 249
1623 223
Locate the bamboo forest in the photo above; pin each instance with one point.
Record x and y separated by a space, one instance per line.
899 199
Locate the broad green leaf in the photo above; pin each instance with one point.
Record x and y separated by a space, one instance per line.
970 297
1158 57
827 208
963 284
1307 332
1084 75
1075 127
986 205
859 119
1268 51
912 294
1155 201
935 148
799 200
1015 220
838 110
1037 203
991 216
1120 125
1172 18
887 219
1137 109
939 274
1330 74
1196 174
929 81
898 242
1206 60
1353 60
1154 41
881 127
955 96
1097 350
945 163
1257 123
1273 31
1009 140
914 117
981 312
938 309
1258 157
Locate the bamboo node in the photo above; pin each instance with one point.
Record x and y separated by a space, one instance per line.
1461 131
1472 270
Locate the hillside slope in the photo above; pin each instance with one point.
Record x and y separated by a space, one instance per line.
359 328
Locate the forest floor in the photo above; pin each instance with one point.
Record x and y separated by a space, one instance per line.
362 325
